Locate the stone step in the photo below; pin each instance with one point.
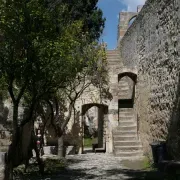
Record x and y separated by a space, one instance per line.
126 113
127 148
111 53
113 56
127 128
113 60
124 88
119 133
125 96
123 84
126 109
123 81
122 95
125 138
112 63
128 154
127 143
126 117
127 123
120 91
130 112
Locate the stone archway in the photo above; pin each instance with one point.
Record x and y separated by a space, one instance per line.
102 119
133 79
132 75
127 86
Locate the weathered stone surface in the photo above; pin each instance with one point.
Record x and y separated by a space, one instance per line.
152 46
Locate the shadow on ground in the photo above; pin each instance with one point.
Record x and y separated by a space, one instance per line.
87 151
94 173
136 174
116 174
74 161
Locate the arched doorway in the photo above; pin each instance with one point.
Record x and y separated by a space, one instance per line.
125 136
127 86
102 117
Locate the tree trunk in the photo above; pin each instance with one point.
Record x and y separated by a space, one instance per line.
8 173
15 119
11 155
61 149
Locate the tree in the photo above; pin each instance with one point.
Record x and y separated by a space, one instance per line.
38 52
89 13
95 68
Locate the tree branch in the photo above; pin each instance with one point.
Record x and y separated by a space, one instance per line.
10 89
64 124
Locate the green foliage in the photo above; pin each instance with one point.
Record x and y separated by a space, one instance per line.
52 165
44 45
3 88
147 163
87 11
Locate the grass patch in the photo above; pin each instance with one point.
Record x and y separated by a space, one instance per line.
139 164
87 142
52 166
147 164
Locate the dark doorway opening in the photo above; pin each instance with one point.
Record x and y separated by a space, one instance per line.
98 139
125 103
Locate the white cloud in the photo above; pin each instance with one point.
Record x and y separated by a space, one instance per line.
132 4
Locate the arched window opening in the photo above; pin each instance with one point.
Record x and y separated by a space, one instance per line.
131 21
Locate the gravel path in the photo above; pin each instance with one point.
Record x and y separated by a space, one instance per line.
100 166
92 166
97 166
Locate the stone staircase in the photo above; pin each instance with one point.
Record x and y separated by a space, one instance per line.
113 59
125 137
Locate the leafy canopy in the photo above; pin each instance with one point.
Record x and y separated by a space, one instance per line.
43 44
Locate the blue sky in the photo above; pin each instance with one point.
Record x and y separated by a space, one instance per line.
111 9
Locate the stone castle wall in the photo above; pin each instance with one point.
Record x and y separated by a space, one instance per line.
152 47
